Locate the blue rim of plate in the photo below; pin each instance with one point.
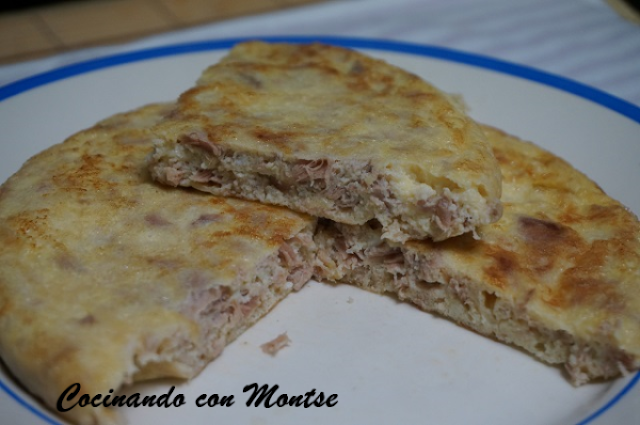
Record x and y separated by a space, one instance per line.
613 103
587 92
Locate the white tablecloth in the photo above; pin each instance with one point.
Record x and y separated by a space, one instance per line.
584 40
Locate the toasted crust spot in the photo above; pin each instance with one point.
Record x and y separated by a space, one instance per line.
107 278
558 275
265 111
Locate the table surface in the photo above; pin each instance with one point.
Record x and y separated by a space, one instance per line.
50 27
53 27
593 42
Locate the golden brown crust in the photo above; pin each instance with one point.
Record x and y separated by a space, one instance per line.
558 275
564 253
288 103
104 275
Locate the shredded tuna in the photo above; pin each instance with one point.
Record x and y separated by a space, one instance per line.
441 208
278 343
316 172
382 253
343 197
289 256
171 176
249 306
201 176
343 252
391 258
201 140
381 191
300 271
299 276
216 179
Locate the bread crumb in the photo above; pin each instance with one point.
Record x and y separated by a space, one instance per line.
276 344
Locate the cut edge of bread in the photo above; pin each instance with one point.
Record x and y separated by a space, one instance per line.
346 191
357 256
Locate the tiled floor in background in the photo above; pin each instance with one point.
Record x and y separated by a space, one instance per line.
56 27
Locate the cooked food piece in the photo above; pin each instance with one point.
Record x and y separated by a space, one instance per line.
278 343
108 278
333 133
558 275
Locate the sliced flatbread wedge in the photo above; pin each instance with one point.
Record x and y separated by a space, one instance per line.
108 278
333 133
558 275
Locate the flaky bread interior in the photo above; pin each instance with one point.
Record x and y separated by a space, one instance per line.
107 278
349 191
215 316
333 133
558 275
224 312
356 255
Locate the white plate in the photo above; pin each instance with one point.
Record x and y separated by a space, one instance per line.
386 361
